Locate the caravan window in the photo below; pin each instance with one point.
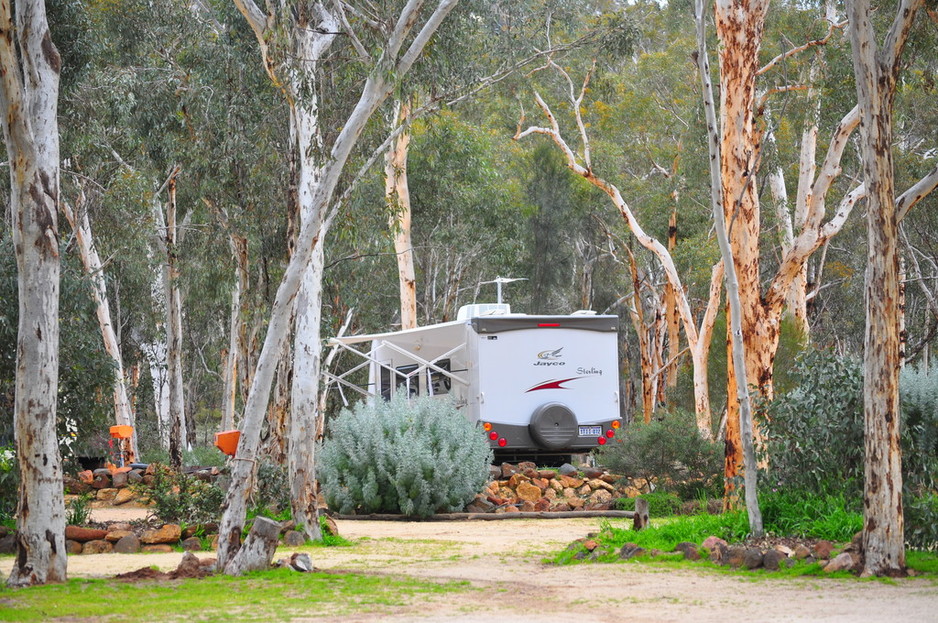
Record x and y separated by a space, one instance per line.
439 382
403 380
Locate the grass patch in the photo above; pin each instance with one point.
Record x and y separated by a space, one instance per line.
275 595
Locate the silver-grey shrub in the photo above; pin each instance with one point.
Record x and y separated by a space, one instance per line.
416 457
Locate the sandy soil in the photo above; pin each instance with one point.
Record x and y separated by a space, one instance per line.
502 560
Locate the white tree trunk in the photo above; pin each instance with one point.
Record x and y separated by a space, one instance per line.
236 332
876 74
375 90
29 87
155 354
173 298
397 195
123 415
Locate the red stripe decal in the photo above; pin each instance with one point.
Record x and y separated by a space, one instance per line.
553 384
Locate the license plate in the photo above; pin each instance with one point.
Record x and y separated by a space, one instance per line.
591 431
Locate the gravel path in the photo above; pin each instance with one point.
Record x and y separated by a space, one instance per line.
502 560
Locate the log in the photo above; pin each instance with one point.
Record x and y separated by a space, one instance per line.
488 516
640 518
257 552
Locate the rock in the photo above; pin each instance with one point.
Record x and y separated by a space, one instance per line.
150 469
575 503
630 550
134 476
189 565
101 481
592 472
713 541
160 548
856 543
75 486
783 550
149 479
596 484
823 549
123 496
116 535
101 471
752 558
506 494
190 531
293 538
569 482
547 474
508 470
845 561
550 493
584 490
128 544
331 527
119 525
801 552
528 492
192 544
512 509
560 506
688 549
718 553
83 535
106 494
610 478
566 469
480 505
556 485
516 480
525 465
734 556
300 562
543 504
600 497
494 472
772 559
569 493
98 546
527 506
540 483
169 533
72 547
86 476
119 480
530 473
589 544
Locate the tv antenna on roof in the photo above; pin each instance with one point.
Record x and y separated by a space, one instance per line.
498 281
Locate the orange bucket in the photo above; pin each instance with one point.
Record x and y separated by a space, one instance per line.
227 441
122 432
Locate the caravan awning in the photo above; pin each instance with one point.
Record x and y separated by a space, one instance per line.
436 334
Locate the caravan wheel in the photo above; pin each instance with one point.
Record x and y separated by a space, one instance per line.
553 425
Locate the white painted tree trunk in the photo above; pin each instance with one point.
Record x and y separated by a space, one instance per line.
376 89
155 354
91 262
29 87
397 195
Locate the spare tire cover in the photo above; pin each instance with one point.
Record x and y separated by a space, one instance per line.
553 425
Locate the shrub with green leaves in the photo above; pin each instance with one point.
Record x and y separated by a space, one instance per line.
669 452
415 457
181 498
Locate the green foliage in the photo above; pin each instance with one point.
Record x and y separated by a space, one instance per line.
9 484
669 452
79 510
814 433
815 439
182 498
271 495
797 513
415 458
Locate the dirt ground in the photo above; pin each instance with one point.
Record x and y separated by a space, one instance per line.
501 560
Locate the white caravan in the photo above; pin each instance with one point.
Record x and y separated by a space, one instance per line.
536 384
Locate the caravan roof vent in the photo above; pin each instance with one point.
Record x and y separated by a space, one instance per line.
483 309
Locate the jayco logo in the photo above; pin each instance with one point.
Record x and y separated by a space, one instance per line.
549 358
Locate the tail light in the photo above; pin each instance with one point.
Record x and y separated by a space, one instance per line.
615 424
601 441
493 435
610 433
502 442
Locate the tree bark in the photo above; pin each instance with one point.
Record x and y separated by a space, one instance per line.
173 298
397 195
29 88
876 75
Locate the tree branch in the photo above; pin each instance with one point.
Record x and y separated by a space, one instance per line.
801 48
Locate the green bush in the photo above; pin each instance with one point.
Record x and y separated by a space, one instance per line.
796 513
9 485
181 498
921 521
814 433
412 457
669 452
271 495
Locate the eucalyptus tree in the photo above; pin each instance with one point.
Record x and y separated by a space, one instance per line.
400 48
29 90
